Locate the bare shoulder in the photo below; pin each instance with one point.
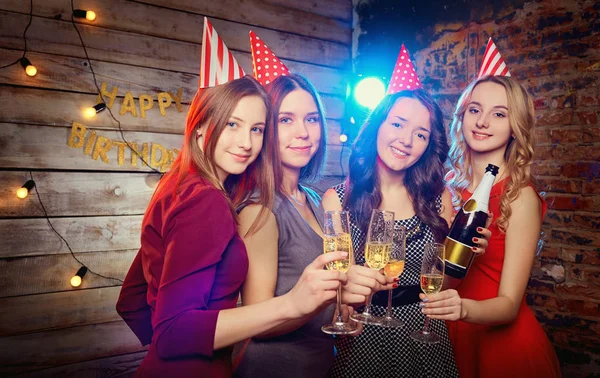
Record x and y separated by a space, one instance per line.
250 213
331 201
528 202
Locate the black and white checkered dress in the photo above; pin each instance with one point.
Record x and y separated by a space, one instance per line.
390 352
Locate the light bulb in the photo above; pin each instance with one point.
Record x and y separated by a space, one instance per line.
88 15
343 138
23 191
76 279
29 68
89 112
92 111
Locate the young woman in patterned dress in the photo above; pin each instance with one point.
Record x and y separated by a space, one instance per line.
397 164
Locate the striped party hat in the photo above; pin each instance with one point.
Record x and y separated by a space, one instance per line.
266 66
217 64
404 75
493 64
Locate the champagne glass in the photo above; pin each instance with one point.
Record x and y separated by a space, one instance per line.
377 255
394 268
432 278
336 237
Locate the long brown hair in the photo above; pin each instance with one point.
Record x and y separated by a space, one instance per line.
519 152
213 107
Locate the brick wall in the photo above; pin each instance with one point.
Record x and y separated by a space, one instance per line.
552 47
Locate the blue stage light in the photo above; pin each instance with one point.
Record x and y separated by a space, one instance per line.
369 92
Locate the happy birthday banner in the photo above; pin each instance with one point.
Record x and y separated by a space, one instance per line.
145 101
97 146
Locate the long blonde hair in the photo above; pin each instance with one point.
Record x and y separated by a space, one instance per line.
519 152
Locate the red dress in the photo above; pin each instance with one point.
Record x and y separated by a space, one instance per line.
518 349
191 265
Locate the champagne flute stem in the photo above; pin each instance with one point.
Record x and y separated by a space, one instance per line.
367 310
388 312
426 325
340 318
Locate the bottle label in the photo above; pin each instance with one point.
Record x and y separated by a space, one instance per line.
458 253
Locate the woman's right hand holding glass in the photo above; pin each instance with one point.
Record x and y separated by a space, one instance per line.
316 286
362 282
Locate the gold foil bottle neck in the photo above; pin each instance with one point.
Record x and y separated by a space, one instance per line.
470 206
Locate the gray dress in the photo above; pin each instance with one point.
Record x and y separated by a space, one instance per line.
307 351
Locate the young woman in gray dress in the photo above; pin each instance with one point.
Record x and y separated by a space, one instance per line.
290 239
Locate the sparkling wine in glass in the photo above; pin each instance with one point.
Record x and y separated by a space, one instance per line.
377 254
432 278
336 238
394 268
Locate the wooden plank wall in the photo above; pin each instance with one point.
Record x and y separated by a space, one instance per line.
96 196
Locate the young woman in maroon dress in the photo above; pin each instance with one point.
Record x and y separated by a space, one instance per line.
493 332
180 293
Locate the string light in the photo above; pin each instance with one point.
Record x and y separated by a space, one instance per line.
92 111
343 138
23 191
76 280
88 15
87 57
29 68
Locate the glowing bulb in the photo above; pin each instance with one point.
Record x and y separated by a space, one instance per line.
89 112
343 138
76 279
92 111
88 15
23 191
29 68
369 92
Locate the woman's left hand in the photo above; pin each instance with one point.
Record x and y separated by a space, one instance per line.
445 305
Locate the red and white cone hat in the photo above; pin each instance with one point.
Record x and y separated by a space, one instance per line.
266 66
217 64
404 75
493 64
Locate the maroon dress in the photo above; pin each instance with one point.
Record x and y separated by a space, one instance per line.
191 265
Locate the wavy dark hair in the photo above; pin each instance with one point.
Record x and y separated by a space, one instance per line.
424 180
278 90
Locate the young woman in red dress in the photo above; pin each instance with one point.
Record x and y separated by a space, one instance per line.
493 331
181 291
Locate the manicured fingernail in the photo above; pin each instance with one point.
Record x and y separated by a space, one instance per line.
395 286
421 304
425 299
345 254
423 311
396 279
474 249
475 240
479 229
